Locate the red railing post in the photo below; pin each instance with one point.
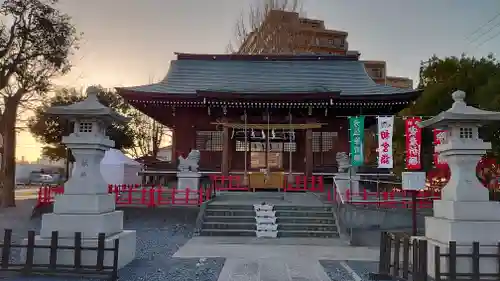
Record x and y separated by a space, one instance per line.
143 196
129 196
208 193
116 193
174 191
187 193
159 196
151 201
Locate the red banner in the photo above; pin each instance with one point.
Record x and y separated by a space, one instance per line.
439 137
413 143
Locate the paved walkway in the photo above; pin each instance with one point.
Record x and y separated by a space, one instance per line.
284 259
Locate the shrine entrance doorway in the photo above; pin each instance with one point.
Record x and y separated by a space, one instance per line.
269 153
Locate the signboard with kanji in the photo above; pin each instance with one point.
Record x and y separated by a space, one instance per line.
356 136
385 131
413 143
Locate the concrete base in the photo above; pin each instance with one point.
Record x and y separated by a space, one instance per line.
464 222
126 250
84 204
188 180
467 210
345 182
90 225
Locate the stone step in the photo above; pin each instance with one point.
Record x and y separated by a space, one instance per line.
227 232
230 212
303 208
249 207
229 207
306 227
307 233
298 214
228 219
229 225
306 220
248 213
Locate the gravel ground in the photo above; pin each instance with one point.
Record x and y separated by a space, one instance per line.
337 272
160 233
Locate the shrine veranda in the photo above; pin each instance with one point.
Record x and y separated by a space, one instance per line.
267 117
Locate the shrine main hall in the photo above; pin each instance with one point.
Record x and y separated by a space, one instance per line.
265 114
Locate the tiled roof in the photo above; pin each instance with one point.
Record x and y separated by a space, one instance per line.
347 76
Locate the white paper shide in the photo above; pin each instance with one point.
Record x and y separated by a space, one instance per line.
265 220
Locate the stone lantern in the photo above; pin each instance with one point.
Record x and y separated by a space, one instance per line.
464 214
86 205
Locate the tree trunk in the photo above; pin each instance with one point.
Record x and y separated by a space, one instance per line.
8 171
155 139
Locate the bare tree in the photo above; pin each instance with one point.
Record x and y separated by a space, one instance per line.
36 41
149 137
265 28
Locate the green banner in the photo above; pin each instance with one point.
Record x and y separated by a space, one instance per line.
356 136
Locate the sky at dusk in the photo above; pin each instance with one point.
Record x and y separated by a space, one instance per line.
130 42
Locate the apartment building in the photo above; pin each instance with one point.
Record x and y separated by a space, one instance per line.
286 32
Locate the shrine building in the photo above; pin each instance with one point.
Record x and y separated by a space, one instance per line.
273 114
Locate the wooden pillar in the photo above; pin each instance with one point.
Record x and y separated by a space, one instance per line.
173 151
225 151
309 153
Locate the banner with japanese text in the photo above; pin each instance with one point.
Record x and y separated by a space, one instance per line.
385 131
356 136
413 143
439 137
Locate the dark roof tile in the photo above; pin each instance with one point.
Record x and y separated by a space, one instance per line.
187 76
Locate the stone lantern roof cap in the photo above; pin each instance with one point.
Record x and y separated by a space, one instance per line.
88 108
460 112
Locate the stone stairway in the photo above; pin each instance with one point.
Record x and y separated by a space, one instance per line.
292 221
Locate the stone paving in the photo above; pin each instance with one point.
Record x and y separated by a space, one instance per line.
284 259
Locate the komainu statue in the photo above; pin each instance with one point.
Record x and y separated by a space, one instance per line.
342 162
190 163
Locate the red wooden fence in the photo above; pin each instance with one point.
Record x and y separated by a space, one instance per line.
152 196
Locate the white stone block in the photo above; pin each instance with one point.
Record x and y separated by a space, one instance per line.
84 204
126 250
188 180
463 210
266 234
267 227
265 213
90 225
261 207
261 220
461 231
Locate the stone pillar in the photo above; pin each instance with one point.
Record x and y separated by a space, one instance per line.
309 153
